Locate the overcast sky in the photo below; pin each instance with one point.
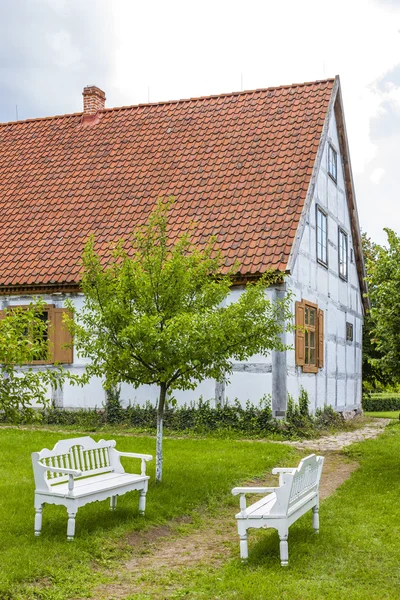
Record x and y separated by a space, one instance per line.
169 49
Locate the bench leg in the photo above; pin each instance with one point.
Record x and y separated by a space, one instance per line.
315 518
71 526
38 520
284 548
142 502
113 502
244 551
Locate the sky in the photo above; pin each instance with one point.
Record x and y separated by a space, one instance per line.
138 51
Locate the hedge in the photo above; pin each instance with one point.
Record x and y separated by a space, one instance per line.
381 402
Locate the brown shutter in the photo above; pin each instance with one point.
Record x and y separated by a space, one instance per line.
300 342
320 338
61 337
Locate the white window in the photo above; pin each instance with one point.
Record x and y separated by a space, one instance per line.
343 254
322 237
332 162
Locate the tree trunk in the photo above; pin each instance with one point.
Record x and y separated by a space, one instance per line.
160 415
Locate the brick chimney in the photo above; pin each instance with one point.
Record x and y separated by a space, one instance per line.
94 99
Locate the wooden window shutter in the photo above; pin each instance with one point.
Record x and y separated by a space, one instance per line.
300 341
320 338
61 337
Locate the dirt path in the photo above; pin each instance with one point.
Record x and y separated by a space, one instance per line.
164 551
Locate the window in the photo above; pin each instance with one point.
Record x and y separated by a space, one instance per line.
309 336
332 162
57 335
349 332
343 254
322 237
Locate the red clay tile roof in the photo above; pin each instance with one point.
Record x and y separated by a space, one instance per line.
238 164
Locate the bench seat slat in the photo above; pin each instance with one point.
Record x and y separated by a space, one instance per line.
91 485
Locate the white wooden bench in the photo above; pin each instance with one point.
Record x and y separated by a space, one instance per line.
297 493
78 471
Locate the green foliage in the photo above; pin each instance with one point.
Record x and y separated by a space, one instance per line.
381 402
156 313
251 420
23 340
228 420
383 274
113 408
374 376
300 423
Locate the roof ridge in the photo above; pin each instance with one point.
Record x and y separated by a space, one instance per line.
180 101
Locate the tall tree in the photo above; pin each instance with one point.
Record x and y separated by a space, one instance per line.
159 314
383 269
373 374
23 340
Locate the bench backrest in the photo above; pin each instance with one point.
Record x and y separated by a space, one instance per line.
82 454
300 484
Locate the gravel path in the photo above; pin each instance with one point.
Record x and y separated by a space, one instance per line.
335 443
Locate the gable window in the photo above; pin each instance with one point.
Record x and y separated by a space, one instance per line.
56 334
322 237
332 162
343 251
309 336
349 332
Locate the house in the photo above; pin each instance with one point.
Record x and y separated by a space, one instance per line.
266 171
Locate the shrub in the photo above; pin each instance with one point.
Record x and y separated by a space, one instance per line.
381 402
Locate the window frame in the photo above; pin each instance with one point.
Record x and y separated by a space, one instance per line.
300 336
311 367
321 211
332 152
342 234
349 328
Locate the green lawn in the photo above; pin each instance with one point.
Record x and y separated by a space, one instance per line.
394 414
356 555
196 473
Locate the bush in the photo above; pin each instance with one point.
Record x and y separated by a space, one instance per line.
381 402
202 418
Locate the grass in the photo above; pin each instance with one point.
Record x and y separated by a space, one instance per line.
394 414
355 556
197 473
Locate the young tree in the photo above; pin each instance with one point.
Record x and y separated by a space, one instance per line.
384 292
160 315
23 340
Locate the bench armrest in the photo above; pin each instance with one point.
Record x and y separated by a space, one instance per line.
135 455
70 472
249 490
144 457
73 472
283 470
252 490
